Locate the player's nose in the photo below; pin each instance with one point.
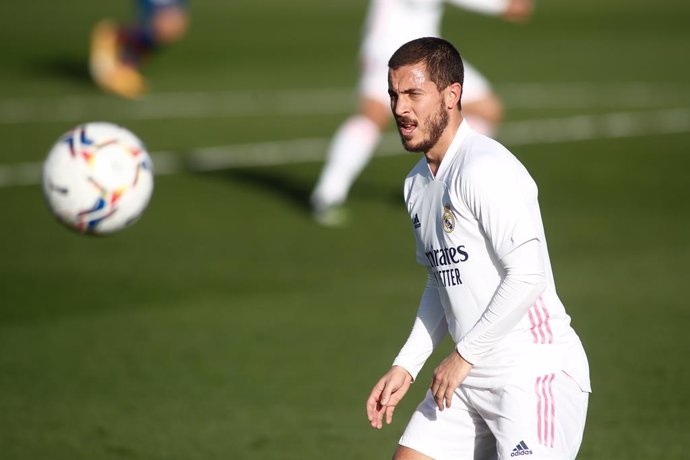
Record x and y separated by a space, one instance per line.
400 106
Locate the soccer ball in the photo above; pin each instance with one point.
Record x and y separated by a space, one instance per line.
98 178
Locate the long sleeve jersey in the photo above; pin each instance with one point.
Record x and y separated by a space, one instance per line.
479 233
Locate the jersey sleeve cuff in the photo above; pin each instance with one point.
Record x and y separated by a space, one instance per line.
466 354
411 369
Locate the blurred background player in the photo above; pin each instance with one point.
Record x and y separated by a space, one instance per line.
389 24
118 50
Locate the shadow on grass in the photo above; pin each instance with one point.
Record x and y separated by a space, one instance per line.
296 190
292 190
69 68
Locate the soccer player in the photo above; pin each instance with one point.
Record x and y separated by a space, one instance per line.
516 381
389 24
117 50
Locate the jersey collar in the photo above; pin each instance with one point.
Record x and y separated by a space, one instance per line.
463 131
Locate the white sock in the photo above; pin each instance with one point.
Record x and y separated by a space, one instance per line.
351 149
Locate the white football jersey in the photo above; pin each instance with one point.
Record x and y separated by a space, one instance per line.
481 205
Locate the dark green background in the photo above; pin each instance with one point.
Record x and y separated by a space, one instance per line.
226 324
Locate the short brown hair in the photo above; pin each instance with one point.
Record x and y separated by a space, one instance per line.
442 59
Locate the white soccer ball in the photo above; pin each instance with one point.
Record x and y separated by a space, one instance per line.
98 178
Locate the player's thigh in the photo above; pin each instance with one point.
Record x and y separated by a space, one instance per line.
457 432
373 79
541 416
406 453
475 87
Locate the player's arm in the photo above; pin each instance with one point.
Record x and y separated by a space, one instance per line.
499 195
522 284
519 289
428 330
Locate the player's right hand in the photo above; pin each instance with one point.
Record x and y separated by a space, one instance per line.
518 10
386 395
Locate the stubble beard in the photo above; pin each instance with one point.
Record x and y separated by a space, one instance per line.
436 125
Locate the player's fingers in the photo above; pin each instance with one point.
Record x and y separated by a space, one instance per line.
449 396
439 395
375 414
373 405
374 411
439 402
389 414
377 421
375 394
370 405
373 398
385 395
435 384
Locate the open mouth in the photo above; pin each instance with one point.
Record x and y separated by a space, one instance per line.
406 127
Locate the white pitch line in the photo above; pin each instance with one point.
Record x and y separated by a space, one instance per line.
589 95
166 106
325 101
515 133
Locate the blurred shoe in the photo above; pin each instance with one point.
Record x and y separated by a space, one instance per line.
124 81
331 216
107 70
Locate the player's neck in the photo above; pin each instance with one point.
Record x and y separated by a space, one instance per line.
435 155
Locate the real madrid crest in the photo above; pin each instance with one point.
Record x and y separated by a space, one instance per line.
448 219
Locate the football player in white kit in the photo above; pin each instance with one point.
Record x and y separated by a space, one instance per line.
516 382
389 24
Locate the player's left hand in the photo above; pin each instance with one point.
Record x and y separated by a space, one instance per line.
447 377
386 395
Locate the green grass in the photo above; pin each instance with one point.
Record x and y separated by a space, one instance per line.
225 324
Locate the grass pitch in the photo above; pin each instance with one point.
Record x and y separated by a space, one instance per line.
226 324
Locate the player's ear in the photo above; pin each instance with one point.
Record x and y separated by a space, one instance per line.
453 93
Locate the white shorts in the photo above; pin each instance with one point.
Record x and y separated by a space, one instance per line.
373 82
537 417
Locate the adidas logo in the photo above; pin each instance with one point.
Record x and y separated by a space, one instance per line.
416 222
521 449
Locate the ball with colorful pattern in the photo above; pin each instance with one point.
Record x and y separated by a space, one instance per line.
98 178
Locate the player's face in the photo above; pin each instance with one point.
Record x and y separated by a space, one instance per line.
418 107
